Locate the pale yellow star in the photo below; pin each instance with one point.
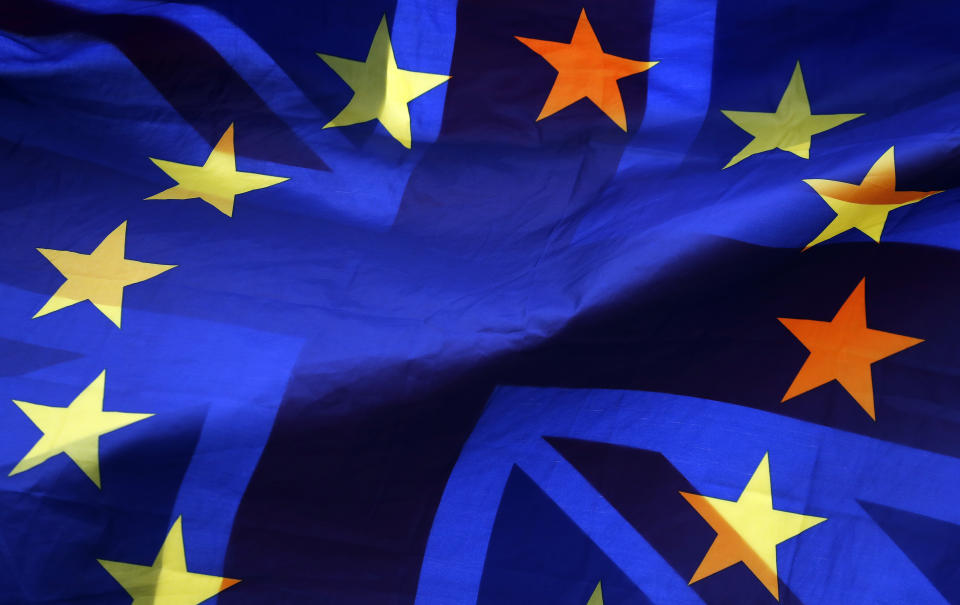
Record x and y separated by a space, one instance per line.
789 128
99 277
597 597
167 581
217 181
74 430
381 90
866 206
748 530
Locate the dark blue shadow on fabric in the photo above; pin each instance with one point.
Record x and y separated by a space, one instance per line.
843 74
708 328
292 32
197 82
932 545
539 556
22 358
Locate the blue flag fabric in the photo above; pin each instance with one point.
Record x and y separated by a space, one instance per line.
434 302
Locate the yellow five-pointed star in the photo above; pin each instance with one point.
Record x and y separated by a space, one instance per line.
217 181
865 206
789 128
74 430
748 530
99 277
167 581
381 90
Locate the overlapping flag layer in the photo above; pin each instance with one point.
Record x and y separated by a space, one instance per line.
434 302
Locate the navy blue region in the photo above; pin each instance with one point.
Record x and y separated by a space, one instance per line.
191 75
538 556
293 32
847 67
351 526
645 489
932 545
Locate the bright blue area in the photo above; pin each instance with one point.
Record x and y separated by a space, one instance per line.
678 94
814 470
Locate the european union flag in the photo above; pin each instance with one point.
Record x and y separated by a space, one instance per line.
494 302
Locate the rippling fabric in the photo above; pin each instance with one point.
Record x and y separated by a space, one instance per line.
441 302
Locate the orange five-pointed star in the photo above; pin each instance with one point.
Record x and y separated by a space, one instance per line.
843 350
585 71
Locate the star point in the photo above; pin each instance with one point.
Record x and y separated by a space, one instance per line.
748 529
584 71
74 430
789 128
843 349
596 598
866 206
217 181
381 90
167 580
99 277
